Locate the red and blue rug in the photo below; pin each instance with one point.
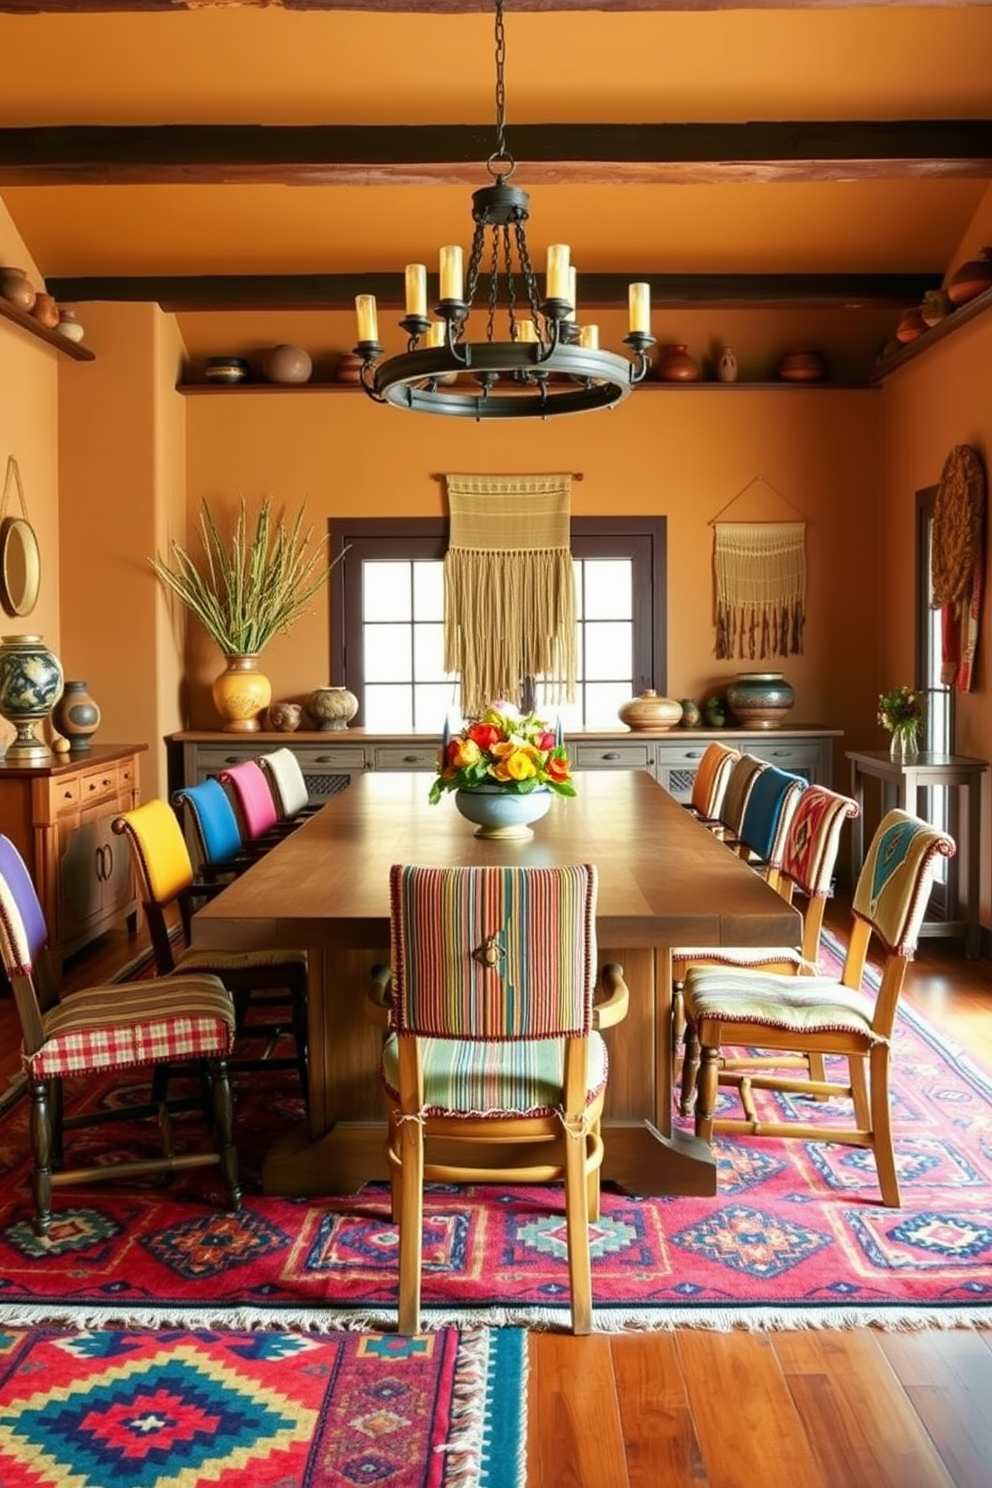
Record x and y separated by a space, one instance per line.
796 1235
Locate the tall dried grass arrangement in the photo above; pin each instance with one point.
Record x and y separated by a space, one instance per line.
252 587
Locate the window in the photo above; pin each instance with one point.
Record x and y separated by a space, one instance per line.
939 726
387 621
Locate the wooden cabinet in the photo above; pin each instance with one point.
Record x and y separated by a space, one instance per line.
58 815
672 758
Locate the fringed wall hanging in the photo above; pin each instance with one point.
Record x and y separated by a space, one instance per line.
760 578
509 587
956 562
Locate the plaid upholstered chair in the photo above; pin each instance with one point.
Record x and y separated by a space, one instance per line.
493 1049
827 1015
107 1029
709 783
270 982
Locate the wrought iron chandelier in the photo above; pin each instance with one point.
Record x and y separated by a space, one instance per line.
545 363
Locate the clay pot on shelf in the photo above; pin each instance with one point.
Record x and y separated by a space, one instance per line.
911 325
69 326
650 711
971 279
760 699
802 364
332 707
45 311
287 364
349 369
16 288
76 716
225 370
676 365
726 365
936 307
285 717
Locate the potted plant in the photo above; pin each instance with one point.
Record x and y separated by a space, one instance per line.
504 768
246 590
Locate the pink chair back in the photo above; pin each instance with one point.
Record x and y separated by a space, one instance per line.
249 785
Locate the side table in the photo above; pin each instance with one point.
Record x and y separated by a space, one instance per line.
902 780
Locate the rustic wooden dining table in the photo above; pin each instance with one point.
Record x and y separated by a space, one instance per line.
664 881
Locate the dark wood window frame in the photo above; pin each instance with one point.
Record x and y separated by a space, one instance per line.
644 539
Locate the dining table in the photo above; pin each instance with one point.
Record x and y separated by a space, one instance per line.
664 880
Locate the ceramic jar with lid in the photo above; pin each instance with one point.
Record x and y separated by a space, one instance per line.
650 711
332 707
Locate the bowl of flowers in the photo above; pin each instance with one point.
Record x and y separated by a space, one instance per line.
901 712
505 768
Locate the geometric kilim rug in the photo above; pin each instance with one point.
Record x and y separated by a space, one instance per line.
268 1408
796 1235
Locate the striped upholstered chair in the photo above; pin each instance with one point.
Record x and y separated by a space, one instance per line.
828 1015
493 1043
709 783
104 1029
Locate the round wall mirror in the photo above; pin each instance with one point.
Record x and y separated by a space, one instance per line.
20 566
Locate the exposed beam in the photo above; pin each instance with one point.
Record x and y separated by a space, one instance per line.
459 7
348 154
337 291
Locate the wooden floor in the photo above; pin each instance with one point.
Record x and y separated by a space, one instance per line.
695 1409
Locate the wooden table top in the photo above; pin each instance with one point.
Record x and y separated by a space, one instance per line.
664 879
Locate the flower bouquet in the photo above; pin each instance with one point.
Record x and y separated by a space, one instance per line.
901 712
504 750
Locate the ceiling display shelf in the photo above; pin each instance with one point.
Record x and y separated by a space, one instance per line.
35 328
946 327
242 389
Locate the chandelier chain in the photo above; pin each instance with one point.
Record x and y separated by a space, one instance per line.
500 156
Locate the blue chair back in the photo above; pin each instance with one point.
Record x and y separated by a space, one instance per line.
214 822
769 812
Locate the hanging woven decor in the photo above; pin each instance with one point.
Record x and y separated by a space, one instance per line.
760 570
509 587
956 562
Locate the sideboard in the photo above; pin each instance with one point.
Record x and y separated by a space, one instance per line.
58 814
672 757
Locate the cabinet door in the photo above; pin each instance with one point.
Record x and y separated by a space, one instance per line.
81 889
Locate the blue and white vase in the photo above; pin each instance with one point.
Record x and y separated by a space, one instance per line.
31 684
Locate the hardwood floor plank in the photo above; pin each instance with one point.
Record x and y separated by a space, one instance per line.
658 1430
947 1376
860 1423
749 1429
573 1427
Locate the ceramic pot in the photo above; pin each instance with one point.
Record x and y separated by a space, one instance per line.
332 707
349 369
911 326
650 711
760 699
45 311
31 684
936 307
501 813
726 365
69 326
289 364
971 279
76 716
691 716
16 288
802 364
240 694
285 717
676 365
225 370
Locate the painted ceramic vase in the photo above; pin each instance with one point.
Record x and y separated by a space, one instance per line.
676 365
760 699
650 711
332 707
503 814
240 694
31 684
726 365
76 716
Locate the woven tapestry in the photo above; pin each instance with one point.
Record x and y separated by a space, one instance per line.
509 587
760 570
957 562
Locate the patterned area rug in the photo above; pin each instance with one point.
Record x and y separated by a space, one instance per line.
796 1235
270 1408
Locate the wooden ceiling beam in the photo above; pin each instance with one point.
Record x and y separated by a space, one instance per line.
180 294
449 7
585 154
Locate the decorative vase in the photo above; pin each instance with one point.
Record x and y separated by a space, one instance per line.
911 325
972 278
650 711
240 694
226 371
726 366
691 716
349 369
45 310
802 364
289 364
332 707
30 685
904 744
676 365
936 306
505 815
76 716
760 699
285 717
15 286
69 326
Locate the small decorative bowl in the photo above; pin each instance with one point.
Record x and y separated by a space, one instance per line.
225 369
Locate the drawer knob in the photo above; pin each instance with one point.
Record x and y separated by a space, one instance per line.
411 759
611 754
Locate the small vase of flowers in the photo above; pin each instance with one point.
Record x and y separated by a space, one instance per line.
901 712
505 767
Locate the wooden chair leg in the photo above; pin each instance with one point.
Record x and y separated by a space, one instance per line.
678 1025
223 1106
577 1230
859 1092
41 1157
690 1066
706 1090
411 1146
881 1125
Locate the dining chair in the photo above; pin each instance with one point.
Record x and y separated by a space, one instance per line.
269 987
106 1029
709 784
493 1047
764 830
255 804
212 827
829 1015
288 784
740 783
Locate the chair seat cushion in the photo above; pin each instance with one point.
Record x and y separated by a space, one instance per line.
797 1005
739 956
523 1078
165 1020
218 963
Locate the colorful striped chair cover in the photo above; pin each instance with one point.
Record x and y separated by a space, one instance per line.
709 784
493 1035
767 819
824 1015
106 1028
740 784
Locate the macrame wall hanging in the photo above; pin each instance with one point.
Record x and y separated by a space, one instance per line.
956 562
760 577
509 587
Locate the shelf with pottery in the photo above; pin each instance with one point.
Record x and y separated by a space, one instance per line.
55 338
960 315
656 385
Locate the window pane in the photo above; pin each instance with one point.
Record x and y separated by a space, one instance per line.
428 653
389 710
603 699
608 589
432 704
428 591
387 653
386 591
608 651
